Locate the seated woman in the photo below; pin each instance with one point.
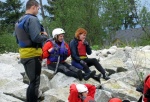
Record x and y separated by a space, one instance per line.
79 48
56 51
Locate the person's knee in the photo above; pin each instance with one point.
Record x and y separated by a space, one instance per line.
94 60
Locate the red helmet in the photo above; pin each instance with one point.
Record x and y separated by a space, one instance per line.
115 100
89 99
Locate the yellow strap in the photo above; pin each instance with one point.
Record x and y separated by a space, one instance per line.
83 57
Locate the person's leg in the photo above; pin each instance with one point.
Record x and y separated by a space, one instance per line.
62 68
93 61
88 73
77 65
74 69
33 70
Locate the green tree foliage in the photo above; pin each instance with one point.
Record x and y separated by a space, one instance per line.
72 14
10 11
144 17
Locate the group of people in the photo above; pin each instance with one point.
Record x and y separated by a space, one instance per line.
34 45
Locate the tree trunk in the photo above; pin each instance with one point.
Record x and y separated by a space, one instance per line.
42 10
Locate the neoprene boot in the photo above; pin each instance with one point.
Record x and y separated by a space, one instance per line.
106 77
89 75
79 74
97 77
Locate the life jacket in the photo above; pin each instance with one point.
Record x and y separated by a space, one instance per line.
146 91
81 48
58 50
22 37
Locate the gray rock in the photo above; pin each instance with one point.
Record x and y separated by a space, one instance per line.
44 83
61 80
102 96
48 73
7 98
56 95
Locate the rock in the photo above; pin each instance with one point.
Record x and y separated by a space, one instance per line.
11 59
114 61
56 95
104 52
19 93
113 47
102 96
146 47
7 98
111 51
8 71
26 79
61 80
122 90
44 83
14 88
48 73
121 69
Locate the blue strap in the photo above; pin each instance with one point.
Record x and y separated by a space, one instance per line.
21 23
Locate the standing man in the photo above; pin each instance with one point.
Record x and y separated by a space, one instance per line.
30 36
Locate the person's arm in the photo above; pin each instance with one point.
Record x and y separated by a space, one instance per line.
34 30
74 50
91 90
88 49
68 48
48 45
73 96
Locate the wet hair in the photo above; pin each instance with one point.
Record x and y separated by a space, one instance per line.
31 3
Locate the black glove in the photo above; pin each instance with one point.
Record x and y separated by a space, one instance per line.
83 62
85 42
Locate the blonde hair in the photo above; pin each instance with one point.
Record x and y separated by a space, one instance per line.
80 31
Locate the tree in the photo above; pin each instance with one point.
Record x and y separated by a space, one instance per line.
72 14
14 11
144 17
117 14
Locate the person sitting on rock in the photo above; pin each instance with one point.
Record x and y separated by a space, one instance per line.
56 50
82 93
79 48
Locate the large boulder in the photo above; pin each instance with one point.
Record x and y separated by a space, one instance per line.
102 96
44 83
10 72
7 98
61 80
13 88
56 95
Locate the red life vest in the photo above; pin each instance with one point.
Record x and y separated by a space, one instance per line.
81 48
146 88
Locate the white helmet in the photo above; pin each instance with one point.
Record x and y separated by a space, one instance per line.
57 31
81 88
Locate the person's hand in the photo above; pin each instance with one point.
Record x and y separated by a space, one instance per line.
85 42
83 62
44 33
50 50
